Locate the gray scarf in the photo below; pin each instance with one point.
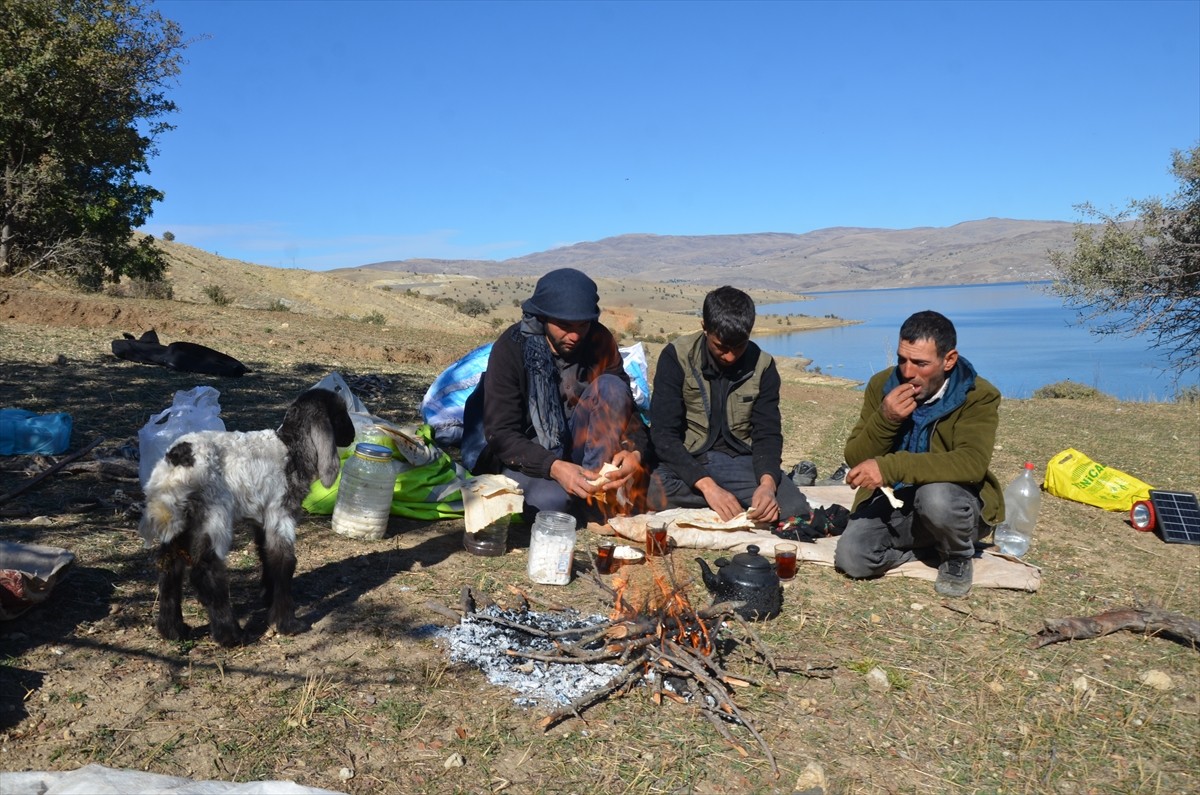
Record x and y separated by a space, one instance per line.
545 397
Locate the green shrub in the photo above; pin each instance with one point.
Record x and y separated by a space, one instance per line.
278 305
141 288
472 307
375 318
151 288
217 295
1069 390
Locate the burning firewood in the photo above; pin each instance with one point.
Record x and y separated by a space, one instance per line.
653 637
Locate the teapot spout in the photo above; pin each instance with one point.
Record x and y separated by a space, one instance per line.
710 578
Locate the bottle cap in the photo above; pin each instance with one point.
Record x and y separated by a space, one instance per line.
375 452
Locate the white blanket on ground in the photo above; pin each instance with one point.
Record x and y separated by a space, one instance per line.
101 780
690 528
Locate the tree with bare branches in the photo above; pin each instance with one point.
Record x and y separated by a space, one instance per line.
1138 271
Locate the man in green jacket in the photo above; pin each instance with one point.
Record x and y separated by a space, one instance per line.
919 458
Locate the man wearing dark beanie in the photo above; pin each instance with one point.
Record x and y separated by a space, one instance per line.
555 404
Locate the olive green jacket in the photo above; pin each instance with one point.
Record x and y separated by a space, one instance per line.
744 390
960 447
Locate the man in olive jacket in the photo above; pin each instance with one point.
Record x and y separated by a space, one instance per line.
925 434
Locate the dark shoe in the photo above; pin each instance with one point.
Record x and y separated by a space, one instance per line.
804 473
954 577
839 474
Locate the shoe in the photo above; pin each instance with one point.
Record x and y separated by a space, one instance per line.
954 577
804 473
839 474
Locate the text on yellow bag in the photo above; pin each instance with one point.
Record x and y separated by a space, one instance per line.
1074 476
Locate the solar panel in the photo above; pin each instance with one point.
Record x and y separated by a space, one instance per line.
1177 515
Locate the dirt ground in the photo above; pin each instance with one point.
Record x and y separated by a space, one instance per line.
366 700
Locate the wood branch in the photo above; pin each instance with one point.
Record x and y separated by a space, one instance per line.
482 600
630 671
650 624
813 670
759 647
602 655
1150 620
984 619
80 453
546 603
442 610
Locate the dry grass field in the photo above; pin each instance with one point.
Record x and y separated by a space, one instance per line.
367 701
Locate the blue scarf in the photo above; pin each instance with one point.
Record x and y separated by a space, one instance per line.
918 428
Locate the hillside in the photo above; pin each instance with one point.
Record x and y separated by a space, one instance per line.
843 258
254 312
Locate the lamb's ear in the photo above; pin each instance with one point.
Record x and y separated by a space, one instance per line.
328 463
309 429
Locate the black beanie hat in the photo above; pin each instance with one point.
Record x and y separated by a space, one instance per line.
565 294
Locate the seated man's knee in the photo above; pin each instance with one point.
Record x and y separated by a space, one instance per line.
612 391
944 505
853 557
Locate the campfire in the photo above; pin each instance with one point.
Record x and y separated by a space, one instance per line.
653 639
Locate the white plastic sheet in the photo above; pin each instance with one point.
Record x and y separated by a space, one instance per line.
101 780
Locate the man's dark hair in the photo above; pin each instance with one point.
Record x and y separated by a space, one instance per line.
729 314
930 325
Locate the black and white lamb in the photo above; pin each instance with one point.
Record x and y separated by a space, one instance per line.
211 479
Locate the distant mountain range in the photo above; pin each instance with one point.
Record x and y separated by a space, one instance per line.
839 258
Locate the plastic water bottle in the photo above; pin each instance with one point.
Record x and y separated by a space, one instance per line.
1022 499
365 490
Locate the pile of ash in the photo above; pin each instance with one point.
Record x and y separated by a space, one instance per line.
484 644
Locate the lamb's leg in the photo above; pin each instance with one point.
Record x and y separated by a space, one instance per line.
172 561
268 577
210 578
277 550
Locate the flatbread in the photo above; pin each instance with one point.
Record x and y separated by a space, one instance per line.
890 493
605 471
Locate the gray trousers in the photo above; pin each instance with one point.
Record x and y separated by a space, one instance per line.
944 518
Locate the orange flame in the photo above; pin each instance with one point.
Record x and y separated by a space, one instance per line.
652 592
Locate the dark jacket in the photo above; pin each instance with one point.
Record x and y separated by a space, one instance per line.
504 392
696 406
960 444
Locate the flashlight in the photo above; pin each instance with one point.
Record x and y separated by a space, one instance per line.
1141 515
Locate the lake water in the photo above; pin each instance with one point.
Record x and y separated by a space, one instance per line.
1018 336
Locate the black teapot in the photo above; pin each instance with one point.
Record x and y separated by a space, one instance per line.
749 578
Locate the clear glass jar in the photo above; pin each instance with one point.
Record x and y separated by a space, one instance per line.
490 542
551 548
364 500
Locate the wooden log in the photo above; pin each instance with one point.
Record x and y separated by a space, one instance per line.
1151 620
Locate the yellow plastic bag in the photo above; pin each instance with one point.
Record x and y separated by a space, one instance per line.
1074 476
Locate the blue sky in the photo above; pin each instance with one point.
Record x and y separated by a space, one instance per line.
332 134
